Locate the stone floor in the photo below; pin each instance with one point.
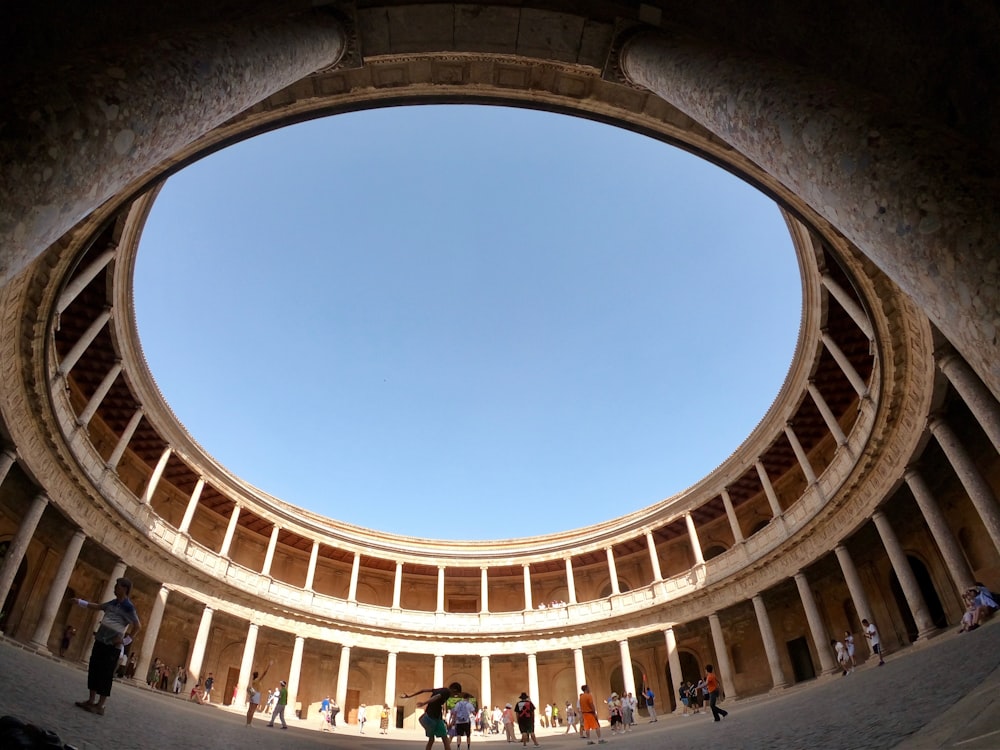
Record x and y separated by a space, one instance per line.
943 695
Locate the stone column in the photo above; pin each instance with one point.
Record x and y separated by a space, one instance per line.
123 440
933 217
83 278
628 677
295 670
581 673
272 545
99 395
440 590
485 679
246 664
227 541
674 660
847 302
57 592
904 573
857 382
772 498
734 522
612 570
950 549
397 587
138 102
19 544
390 681
192 506
533 679
7 458
800 454
854 585
343 672
975 394
352 592
722 657
438 669
74 354
200 644
527 587
311 570
150 632
154 479
570 581
828 416
699 557
770 644
484 590
820 636
107 594
654 558
972 480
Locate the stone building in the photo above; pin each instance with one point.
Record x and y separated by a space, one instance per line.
869 490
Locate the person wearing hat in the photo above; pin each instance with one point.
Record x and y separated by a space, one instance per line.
508 722
110 640
525 713
279 707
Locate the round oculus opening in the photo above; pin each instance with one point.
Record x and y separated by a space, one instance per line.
466 322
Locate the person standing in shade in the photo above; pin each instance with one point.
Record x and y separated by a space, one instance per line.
871 633
279 707
362 717
524 710
433 719
334 710
209 684
849 645
650 697
588 713
253 692
111 638
712 685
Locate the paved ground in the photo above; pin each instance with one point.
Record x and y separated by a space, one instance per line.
946 695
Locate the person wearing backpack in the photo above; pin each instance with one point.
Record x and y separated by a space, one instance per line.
524 710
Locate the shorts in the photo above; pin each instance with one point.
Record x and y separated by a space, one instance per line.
463 729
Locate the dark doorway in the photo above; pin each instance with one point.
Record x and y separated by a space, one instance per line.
802 663
934 607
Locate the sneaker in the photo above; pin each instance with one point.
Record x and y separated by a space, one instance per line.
602 742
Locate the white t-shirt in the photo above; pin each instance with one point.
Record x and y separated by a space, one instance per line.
873 633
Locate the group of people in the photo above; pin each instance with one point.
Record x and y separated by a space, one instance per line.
980 603
695 695
845 651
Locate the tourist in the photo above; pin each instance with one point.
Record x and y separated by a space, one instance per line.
508 722
461 719
282 701
650 697
841 650
67 636
524 709
383 720
588 712
362 716
871 633
110 640
432 720
712 685
571 718
849 645
253 692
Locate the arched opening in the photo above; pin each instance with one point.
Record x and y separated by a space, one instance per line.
714 551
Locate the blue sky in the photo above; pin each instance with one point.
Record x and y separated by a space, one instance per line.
466 322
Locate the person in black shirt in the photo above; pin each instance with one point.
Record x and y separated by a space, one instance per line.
433 718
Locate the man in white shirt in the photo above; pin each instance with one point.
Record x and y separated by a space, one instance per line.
871 633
